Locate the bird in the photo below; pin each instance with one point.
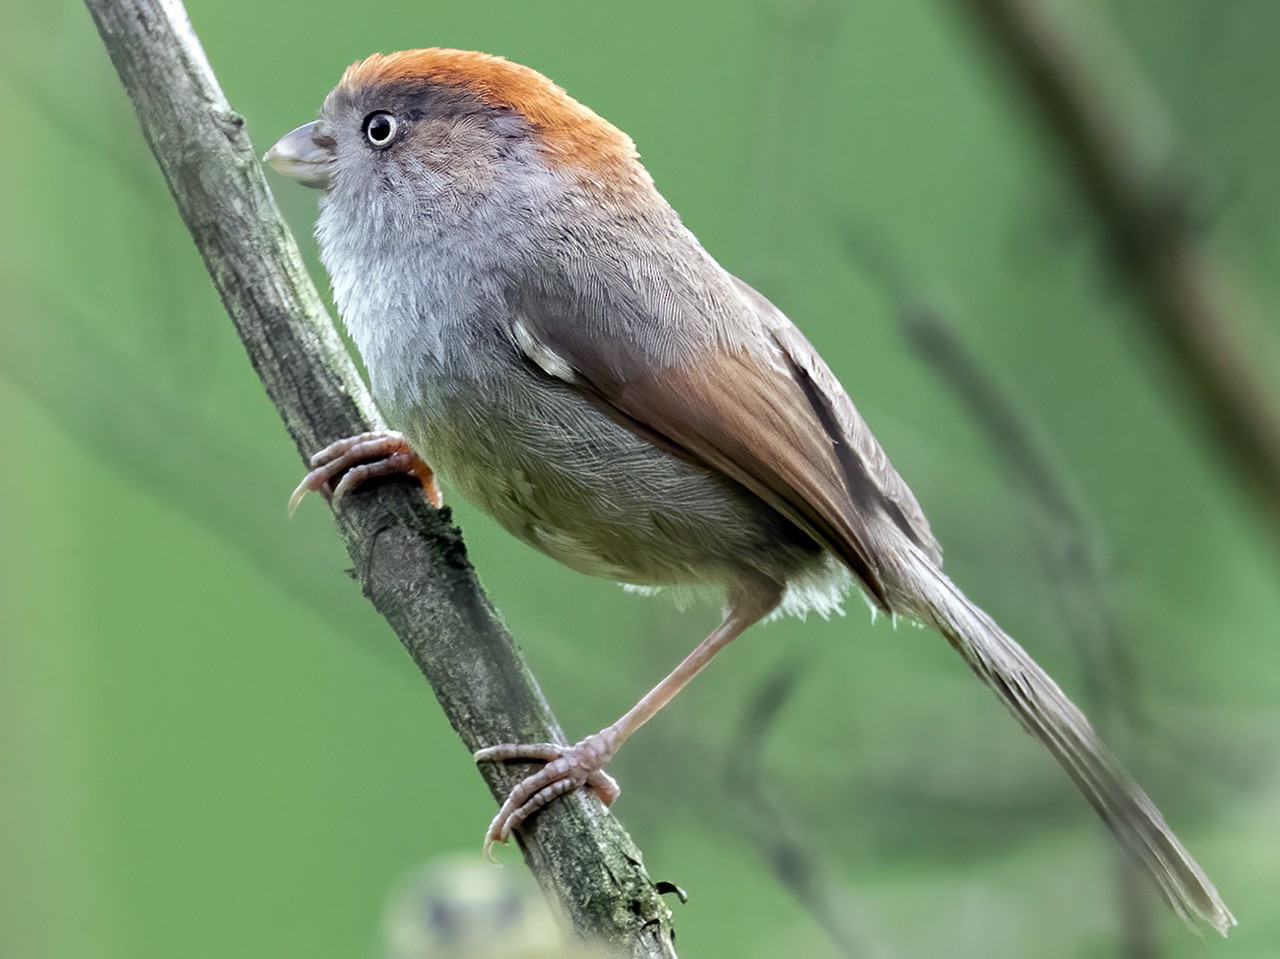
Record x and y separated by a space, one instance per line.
548 338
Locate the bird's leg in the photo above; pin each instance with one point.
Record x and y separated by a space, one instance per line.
360 458
568 767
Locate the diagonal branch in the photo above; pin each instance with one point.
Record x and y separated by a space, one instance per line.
1186 297
410 561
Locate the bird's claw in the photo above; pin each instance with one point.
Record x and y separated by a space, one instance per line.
565 768
358 459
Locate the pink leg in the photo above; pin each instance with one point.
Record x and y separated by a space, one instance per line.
568 767
358 459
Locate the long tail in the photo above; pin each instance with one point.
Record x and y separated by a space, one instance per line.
1045 711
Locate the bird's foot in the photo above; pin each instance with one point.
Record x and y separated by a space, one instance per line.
567 768
358 459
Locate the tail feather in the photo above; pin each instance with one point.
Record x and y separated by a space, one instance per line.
1045 711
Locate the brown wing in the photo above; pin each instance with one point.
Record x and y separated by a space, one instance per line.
772 417
848 427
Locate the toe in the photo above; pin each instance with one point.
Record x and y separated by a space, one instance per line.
360 458
566 768
535 802
530 795
518 752
604 786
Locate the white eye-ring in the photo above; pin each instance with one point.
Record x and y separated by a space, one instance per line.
380 129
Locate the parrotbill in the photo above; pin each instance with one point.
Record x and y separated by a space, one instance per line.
542 329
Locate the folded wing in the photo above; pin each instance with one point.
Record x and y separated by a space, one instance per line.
765 411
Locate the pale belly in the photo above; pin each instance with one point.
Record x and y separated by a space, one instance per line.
563 477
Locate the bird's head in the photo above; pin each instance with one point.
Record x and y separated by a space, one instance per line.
452 127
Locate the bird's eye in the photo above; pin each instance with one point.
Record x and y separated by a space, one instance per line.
380 129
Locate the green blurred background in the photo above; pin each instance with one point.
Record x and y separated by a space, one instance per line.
212 746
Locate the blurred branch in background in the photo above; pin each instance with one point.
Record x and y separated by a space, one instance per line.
409 559
1071 568
794 863
792 102
792 99
1124 165
160 444
1067 548
71 130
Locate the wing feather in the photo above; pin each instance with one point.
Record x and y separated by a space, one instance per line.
847 427
765 411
